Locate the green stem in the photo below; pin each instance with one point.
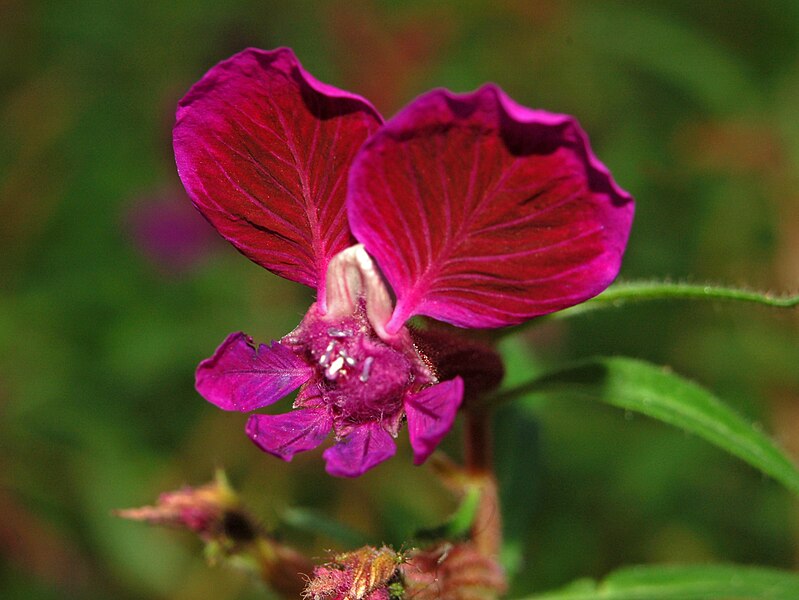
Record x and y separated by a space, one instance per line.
630 292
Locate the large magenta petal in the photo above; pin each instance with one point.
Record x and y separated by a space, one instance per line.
240 377
483 213
431 414
285 435
264 149
367 446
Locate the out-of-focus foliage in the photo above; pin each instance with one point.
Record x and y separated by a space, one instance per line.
709 582
691 104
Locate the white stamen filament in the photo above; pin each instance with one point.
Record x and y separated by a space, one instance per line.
325 358
367 367
351 362
338 333
332 371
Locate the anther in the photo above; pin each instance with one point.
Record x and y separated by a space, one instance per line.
332 371
367 367
351 362
325 358
338 333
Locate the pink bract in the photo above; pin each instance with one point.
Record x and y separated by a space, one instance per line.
476 211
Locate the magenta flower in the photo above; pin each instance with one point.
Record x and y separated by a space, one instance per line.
168 232
475 210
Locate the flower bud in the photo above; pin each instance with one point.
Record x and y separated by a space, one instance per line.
365 574
231 534
211 510
452 572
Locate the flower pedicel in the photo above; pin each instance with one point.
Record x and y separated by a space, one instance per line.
475 210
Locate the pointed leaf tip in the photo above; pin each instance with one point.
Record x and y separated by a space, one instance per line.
638 386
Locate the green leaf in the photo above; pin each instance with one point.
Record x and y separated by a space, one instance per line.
516 428
304 519
673 582
458 524
639 46
623 293
638 386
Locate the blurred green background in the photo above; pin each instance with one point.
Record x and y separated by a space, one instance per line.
104 316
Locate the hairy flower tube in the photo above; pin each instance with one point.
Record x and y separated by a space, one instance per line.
466 208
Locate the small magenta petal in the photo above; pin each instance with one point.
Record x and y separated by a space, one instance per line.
286 435
431 414
483 213
263 150
364 448
240 377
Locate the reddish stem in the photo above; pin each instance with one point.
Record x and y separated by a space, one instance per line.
486 531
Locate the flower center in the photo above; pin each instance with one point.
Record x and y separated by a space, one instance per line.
360 375
357 374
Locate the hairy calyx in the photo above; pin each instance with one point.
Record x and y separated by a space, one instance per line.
358 376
